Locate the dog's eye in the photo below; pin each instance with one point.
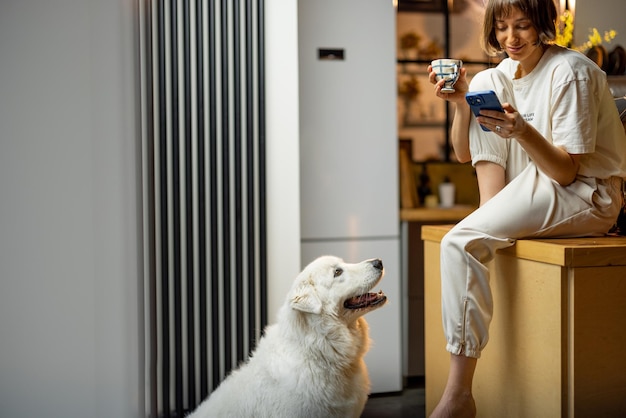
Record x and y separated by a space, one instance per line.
338 271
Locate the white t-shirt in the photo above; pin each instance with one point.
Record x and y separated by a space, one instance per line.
567 99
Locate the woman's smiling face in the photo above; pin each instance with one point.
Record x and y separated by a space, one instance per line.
518 37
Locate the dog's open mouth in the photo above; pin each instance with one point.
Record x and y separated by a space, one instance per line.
365 300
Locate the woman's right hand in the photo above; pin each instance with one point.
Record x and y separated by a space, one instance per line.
459 132
461 86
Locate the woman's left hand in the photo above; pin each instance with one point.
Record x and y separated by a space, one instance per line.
507 125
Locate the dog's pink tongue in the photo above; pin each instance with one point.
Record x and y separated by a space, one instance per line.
364 300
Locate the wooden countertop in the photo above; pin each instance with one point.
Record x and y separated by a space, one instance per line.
438 214
567 252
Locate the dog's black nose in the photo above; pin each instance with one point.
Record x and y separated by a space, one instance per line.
377 263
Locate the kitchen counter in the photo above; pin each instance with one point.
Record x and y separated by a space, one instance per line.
557 335
438 214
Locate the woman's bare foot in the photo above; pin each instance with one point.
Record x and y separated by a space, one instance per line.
455 405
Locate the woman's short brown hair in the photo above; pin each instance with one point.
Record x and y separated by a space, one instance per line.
542 14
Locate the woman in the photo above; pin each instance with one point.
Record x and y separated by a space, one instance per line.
551 166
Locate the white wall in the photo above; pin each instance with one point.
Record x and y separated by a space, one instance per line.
283 151
70 258
70 209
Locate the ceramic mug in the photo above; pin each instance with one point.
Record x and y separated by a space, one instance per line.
447 69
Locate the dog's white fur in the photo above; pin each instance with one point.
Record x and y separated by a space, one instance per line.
309 363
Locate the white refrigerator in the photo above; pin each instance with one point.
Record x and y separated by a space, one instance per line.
349 155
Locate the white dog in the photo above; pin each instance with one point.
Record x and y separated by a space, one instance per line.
310 363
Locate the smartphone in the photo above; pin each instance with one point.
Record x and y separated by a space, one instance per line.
479 100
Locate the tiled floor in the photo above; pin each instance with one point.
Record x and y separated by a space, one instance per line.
409 403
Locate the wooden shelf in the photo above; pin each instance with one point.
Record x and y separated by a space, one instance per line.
423 214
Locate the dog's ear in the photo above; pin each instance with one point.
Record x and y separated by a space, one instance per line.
306 300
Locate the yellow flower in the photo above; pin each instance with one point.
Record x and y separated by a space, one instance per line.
610 35
565 29
565 34
595 39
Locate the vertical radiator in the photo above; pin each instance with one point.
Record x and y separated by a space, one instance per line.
204 189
